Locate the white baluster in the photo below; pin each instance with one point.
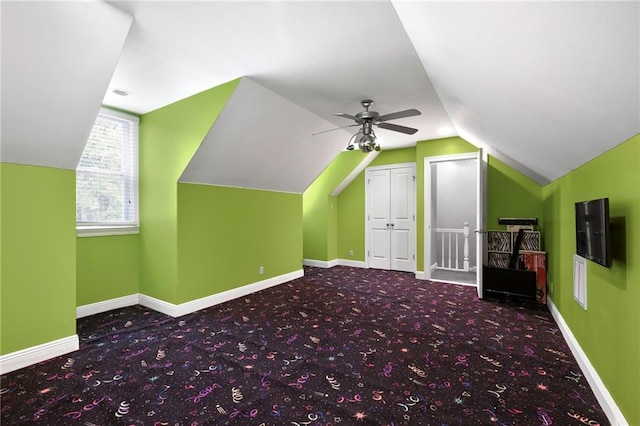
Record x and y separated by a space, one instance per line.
457 254
466 247
449 233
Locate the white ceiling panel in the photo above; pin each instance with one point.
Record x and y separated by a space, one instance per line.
550 84
262 141
324 56
57 61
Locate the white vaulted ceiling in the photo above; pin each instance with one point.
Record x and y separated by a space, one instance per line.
57 61
545 86
550 84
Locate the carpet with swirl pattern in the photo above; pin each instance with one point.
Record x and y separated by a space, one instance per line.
339 346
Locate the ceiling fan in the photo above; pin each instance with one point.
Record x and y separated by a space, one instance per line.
366 137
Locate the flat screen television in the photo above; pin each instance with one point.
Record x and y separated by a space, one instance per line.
593 231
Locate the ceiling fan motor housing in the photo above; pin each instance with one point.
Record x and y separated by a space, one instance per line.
365 116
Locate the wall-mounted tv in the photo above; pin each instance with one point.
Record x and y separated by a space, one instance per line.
593 231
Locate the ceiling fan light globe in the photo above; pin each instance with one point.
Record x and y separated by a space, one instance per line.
366 140
366 148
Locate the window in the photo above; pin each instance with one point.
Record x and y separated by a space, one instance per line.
107 177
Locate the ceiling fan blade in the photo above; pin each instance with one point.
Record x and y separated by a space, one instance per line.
331 130
400 114
397 128
342 114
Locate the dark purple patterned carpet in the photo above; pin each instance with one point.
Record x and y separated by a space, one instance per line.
340 346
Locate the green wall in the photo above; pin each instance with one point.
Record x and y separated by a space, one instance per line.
351 226
315 223
320 209
225 235
332 228
168 139
609 330
107 268
394 156
38 256
511 194
198 240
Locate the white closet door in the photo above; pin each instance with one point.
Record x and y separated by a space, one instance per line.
402 219
379 221
391 218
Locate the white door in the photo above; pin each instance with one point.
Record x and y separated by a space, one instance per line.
481 234
402 219
390 213
379 218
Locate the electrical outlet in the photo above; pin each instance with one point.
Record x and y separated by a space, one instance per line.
261 270
351 253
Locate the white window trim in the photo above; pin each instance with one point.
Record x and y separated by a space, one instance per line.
85 229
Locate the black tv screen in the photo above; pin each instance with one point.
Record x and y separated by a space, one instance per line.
592 231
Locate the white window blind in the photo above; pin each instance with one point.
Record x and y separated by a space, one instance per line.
107 175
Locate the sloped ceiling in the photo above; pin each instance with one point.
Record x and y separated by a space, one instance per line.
550 84
544 86
262 157
57 61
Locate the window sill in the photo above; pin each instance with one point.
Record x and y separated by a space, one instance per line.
105 231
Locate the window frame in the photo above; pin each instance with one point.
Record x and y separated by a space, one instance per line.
99 229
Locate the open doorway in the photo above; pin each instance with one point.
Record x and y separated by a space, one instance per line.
453 214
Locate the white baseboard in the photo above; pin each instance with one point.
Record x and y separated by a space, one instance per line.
175 311
334 262
25 357
158 305
225 296
352 263
603 396
320 263
106 305
455 282
421 275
